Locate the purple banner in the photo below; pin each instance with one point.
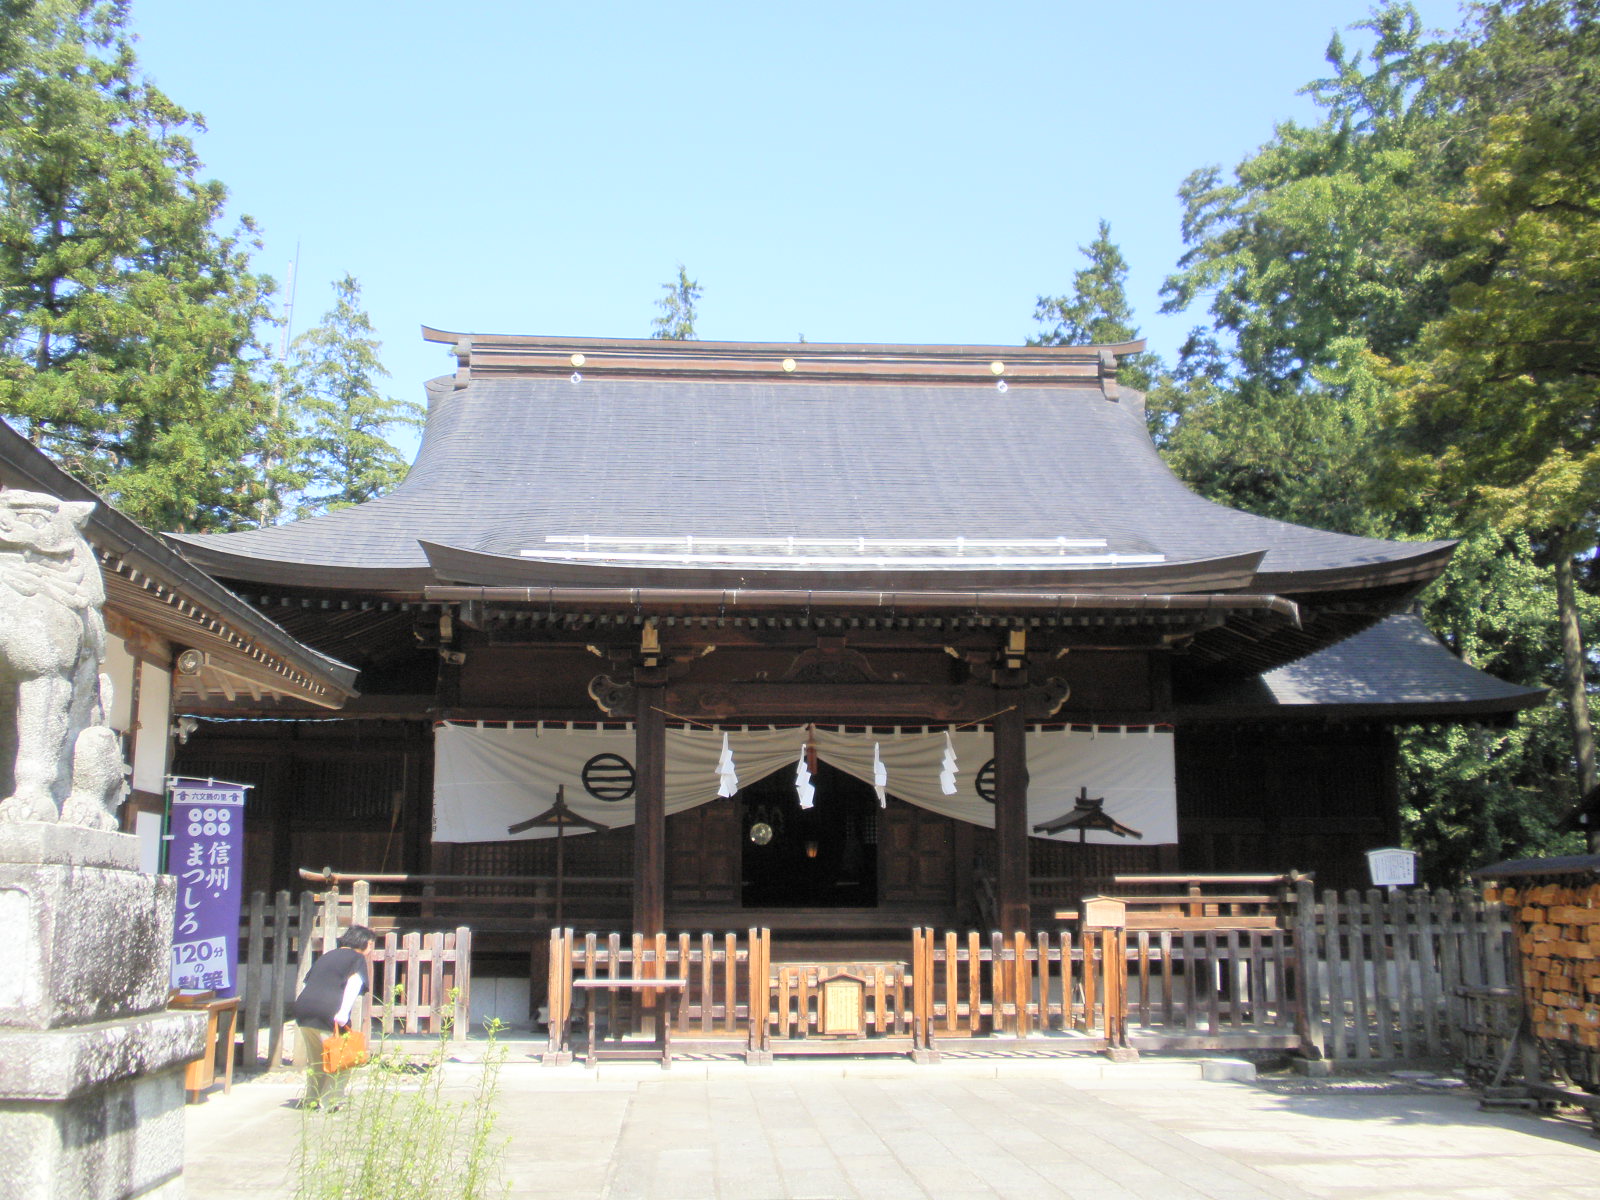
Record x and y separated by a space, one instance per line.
206 853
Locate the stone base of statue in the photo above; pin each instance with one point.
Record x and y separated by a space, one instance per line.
91 1063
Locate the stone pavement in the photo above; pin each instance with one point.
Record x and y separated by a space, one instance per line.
964 1128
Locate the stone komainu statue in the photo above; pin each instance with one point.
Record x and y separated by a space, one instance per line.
52 637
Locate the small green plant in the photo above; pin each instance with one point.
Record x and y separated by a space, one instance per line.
402 1135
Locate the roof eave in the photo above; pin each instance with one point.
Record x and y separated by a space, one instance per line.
457 564
209 613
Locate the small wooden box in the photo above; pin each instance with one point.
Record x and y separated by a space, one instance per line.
1104 912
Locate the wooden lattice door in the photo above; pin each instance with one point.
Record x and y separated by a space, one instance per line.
916 855
703 857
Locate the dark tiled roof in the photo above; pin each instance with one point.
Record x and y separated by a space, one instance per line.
1396 667
508 461
1523 868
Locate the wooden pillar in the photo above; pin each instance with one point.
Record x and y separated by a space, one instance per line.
1011 815
650 803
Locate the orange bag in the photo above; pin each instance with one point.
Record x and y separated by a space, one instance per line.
342 1049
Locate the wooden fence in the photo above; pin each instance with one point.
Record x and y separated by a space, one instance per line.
1354 976
1013 986
1390 973
1214 988
420 982
950 986
715 1001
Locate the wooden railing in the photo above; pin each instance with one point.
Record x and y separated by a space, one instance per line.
422 983
880 1000
1195 988
278 941
513 904
1357 976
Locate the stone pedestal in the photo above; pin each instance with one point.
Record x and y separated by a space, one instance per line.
91 1063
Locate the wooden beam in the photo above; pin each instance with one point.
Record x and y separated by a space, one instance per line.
650 802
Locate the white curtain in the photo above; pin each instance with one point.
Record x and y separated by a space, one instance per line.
486 780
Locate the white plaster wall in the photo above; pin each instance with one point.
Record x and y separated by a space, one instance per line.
153 746
119 665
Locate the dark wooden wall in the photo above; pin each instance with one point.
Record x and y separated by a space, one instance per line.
1295 797
353 795
1303 797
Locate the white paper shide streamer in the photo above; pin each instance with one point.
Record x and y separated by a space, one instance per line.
880 777
947 769
727 776
802 781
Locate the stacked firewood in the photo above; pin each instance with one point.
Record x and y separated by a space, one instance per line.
1558 931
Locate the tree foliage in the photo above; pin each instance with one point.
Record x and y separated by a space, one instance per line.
342 455
1097 311
128 340
1397 340
676 322
1498 404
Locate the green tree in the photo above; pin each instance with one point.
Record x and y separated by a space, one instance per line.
128 340
1097 311
342 455
1508 379
1478 793
1325 232
1337 268
676 322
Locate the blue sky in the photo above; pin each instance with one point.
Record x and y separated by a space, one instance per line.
862 172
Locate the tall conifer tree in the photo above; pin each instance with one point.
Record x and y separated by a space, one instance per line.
344 456
676 322
1097 311
127 336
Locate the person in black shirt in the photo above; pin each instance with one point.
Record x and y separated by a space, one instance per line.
326 1000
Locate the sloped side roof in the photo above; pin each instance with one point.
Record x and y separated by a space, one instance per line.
1397 668
509 461
157 586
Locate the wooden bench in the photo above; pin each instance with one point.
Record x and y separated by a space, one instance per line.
202 1072
660 1047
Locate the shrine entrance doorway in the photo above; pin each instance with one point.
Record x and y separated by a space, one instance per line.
825 856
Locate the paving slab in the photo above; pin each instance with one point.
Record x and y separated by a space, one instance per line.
1086 1131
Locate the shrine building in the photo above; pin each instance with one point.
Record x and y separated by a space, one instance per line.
818 637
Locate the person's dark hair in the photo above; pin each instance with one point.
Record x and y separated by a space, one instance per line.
357 937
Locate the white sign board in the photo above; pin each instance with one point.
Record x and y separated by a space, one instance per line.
1392 868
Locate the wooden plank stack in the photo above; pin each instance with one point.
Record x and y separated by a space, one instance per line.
1558 932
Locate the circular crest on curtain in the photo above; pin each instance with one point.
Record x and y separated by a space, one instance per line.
983 783
608 777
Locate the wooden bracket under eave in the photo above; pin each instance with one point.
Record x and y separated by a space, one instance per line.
1108 375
